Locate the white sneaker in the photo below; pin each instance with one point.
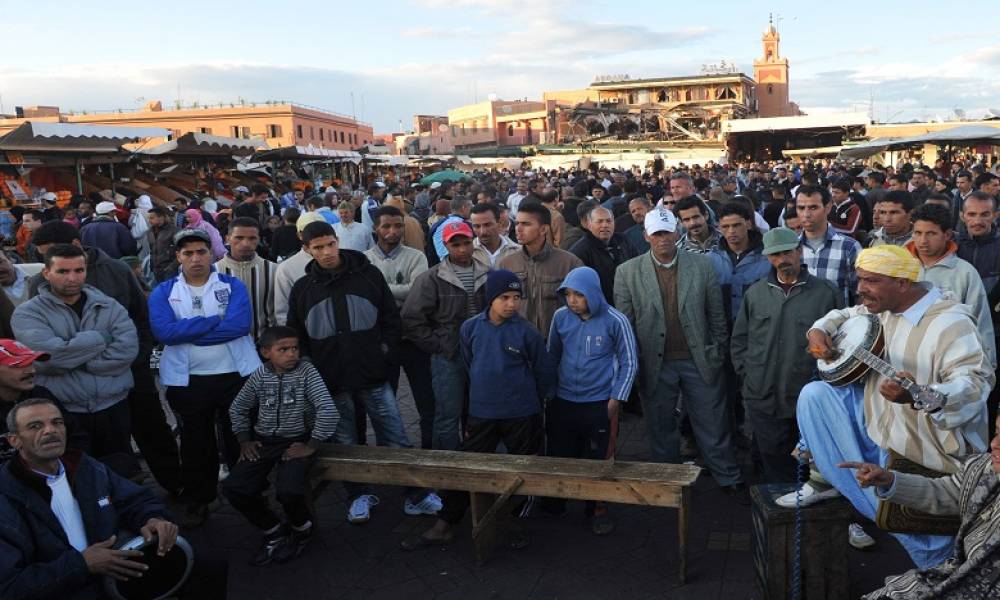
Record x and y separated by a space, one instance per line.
361 508
857 537
430 505
223 472
809 494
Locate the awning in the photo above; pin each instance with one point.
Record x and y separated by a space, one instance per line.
307 153
831 150
72 138
966 135
202 144
763 125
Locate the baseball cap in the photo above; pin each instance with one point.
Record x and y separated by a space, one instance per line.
15 354
660 219
49 197
435 185
455 228
184 234
242 189
780 239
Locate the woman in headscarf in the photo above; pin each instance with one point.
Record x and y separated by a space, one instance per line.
194 221
138 224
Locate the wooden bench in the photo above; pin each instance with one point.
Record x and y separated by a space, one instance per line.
504 475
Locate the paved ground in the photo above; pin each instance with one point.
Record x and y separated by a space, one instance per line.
564 560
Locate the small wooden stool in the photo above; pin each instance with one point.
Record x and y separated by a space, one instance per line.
823 546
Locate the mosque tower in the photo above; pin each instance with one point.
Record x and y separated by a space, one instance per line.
771 74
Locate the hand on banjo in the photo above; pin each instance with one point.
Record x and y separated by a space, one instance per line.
893 392
821 345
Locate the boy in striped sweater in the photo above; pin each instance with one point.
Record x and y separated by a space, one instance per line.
295 414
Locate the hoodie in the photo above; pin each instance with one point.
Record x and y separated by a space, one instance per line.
597 357
737 273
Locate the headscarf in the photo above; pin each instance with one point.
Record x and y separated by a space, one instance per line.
193 216
889 260
143 202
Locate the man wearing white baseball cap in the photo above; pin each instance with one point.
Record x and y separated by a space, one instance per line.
672 299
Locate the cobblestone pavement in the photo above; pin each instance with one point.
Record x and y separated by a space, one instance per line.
564 560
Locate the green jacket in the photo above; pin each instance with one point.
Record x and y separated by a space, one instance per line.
702 316
769 347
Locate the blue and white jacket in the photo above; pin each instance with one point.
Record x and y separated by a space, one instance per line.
177 327
597 356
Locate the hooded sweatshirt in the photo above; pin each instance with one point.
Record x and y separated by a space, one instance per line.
597 356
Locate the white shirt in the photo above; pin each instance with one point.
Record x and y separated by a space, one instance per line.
207 360
356 236
514 200
66 508
17 291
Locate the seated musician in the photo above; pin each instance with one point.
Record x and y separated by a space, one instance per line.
929 338
60 511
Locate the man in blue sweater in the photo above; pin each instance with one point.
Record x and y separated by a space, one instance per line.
595 350
512 375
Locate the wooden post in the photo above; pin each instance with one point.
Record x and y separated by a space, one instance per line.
484 523
682 533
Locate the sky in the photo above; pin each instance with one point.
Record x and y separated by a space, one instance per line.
386 61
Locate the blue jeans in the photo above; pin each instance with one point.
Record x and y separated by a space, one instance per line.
705 404
832 427
450 380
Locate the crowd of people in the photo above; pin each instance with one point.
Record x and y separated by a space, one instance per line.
525 308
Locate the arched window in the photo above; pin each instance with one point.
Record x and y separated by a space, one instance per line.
510 131
770 89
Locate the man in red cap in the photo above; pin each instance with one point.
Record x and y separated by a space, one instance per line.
17 382
440 300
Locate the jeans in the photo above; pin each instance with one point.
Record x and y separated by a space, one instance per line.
832 425
705 404
451 382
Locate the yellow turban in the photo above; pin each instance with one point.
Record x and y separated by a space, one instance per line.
889 260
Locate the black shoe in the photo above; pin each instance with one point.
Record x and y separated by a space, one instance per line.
272 546
738 492
295 545
689 449
192 516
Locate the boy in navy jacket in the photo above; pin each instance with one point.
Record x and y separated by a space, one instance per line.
510 375
595 349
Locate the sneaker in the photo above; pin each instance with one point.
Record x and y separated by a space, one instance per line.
223 472
430 505
297 542
361 508
810 493
857 537
272 545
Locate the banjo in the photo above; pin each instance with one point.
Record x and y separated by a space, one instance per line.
859 344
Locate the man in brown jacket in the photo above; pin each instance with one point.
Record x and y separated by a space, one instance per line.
540 266
440 300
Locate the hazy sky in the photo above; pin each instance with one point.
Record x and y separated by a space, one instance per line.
425 56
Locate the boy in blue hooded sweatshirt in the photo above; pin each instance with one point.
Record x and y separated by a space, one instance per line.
510 375
595 349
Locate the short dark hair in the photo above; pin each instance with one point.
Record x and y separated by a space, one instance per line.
843 184
735 208
386 211
316 201
26 403
258 188
55 232
689 203
877 176
315 230
965 174
583 209
983 178
244 222
486 207
292 215
934 213
976 195
458 203
812 190
36 214
533 208
272 335
899 197
157 210
63 251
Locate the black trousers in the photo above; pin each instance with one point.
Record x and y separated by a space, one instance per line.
106 437
201 407
578 430
417 365
775 438
519 436
152 432
247 481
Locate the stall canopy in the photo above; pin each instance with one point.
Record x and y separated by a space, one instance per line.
203 144
966 135
74 139
307 153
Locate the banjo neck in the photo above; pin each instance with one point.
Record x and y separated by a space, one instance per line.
883 367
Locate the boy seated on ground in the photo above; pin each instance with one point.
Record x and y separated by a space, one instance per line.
294 415
511 373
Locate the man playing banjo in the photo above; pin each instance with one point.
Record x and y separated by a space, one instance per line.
929 339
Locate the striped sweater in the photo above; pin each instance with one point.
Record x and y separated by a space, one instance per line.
943 350
258 277
289 405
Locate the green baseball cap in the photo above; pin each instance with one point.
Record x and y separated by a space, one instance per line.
780 239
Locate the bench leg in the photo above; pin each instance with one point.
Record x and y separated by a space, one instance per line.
484 518
682 533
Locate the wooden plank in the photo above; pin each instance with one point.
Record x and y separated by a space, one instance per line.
507 464
580 487
489 518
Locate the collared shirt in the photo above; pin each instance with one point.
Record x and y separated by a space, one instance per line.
391 255
920 307
66 508
494 256
833 260
689 244
18 290
668 265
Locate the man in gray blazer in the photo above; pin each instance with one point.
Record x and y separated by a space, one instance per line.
675 304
